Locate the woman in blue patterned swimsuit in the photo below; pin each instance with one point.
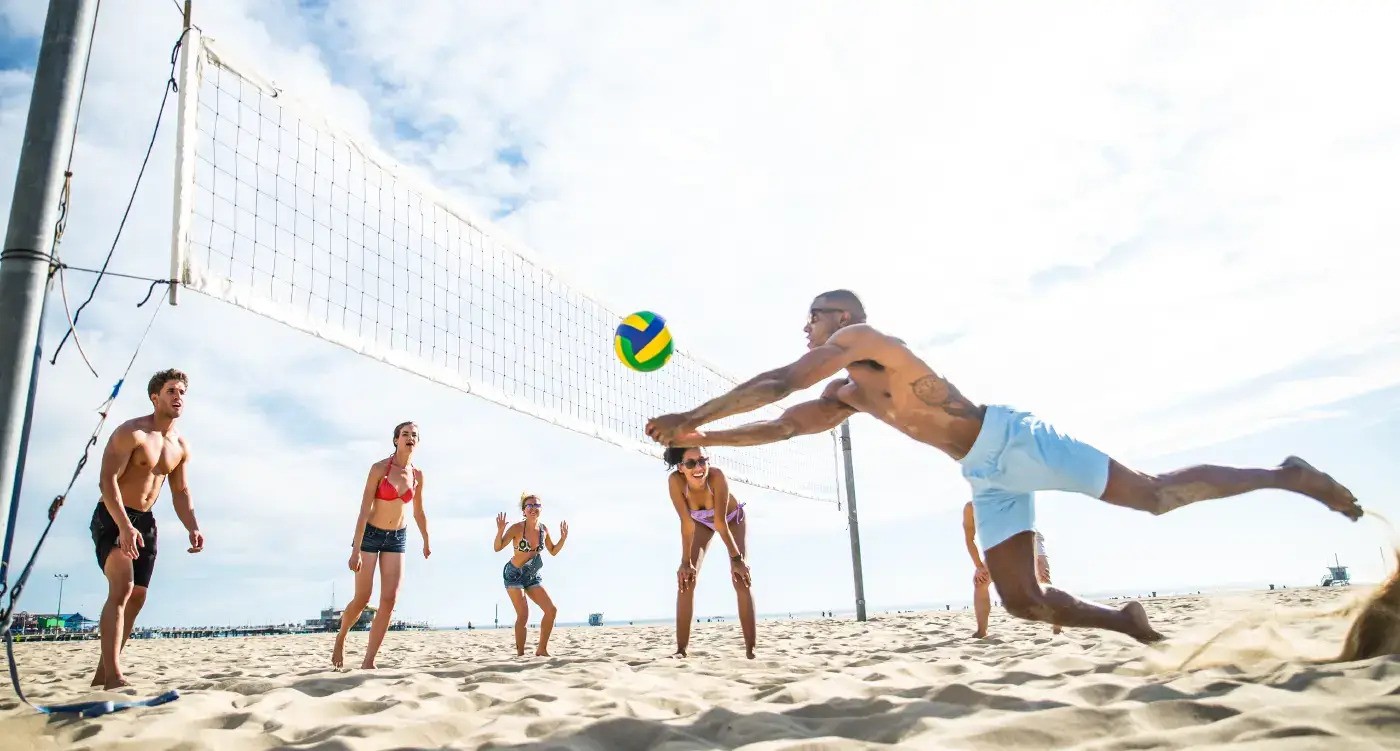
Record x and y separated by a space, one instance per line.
701 494
522 572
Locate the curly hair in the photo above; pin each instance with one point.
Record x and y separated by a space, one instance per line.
159 380
674 454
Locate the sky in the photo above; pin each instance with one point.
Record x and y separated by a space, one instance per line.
1169 230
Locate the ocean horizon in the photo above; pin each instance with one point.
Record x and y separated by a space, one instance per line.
883 609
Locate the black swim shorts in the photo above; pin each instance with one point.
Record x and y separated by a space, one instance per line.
105 535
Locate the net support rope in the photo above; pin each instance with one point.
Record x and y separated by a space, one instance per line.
56 268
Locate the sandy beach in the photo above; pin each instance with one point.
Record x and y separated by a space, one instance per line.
911 680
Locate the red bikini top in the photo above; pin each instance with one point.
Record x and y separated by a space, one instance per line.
387 492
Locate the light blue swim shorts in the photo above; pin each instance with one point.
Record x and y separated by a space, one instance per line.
1017 454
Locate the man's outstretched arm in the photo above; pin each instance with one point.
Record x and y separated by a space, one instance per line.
806 418
847 346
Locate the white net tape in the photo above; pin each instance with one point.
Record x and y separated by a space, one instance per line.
287 216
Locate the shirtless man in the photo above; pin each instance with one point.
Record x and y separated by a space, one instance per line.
1005 454
982 579
139 455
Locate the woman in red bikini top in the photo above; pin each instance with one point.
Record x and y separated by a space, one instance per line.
381 538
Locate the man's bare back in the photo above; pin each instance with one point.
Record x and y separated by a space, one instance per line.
898 388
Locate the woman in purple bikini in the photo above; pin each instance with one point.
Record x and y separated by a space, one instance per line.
701 494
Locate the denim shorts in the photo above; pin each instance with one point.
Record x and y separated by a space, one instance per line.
378 540
523 577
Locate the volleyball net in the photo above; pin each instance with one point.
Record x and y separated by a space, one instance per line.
279 211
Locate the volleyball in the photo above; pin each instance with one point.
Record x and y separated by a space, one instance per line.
643 342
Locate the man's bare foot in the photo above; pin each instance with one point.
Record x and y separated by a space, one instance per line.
541 652
1056 630
979 634
679 655
116 683
368 665
338 654
1321 487
750 654
1141 628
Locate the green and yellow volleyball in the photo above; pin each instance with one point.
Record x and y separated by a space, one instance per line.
643 342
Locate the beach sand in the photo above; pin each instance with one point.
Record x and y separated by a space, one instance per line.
912 680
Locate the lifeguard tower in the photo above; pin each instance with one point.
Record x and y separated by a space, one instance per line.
1336 575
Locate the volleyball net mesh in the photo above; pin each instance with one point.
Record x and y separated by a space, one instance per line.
281 212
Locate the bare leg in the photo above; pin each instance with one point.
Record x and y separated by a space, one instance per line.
541 598
522 618
132 609
981 604
364 587
745 594
1012 565
1173 490
685 601
390 574
119 577
1042 575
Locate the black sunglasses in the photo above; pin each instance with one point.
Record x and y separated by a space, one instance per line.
693 463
